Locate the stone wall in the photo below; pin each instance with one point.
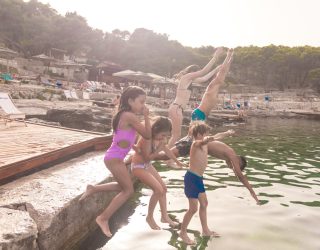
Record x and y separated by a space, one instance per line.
42 211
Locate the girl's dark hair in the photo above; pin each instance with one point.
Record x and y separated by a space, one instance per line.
131 92
243 162
161 124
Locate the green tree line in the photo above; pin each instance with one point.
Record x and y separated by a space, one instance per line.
33 28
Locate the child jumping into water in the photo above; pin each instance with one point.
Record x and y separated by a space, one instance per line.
125 124
143 169
193 181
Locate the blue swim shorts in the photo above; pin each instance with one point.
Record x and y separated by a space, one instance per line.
198 115
193 185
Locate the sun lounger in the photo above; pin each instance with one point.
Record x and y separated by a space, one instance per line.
74 94
86 95
67 94
9 111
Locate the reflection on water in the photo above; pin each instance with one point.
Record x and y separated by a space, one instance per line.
283 168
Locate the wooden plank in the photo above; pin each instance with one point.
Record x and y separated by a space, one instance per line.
24 148
37 161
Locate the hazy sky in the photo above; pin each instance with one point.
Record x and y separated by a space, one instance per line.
229 23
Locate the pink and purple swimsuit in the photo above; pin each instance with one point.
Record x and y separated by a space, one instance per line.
115 151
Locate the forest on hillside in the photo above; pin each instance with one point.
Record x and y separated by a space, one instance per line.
33 28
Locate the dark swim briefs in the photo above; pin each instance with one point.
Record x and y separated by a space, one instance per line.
193 185
184 145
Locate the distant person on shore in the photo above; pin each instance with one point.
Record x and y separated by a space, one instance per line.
193 181
116 100
142 168
125 124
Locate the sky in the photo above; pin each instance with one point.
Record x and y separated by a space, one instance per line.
197 23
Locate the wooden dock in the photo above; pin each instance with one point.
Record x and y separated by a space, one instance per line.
27 147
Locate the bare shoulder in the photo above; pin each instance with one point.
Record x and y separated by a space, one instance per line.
129 116
128 119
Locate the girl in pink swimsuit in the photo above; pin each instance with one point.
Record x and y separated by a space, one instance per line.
125 124
141 167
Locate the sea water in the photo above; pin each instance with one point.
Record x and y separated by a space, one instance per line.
283 168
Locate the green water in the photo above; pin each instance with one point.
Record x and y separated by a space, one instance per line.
284 170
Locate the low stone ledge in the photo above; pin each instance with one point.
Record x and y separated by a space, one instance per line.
18 230
51 203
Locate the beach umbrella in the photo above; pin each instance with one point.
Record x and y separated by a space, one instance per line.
134 75
164 81
7 54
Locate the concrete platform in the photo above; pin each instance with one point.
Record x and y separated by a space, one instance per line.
42 211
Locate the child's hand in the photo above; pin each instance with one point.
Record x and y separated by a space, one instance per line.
161 146
182 165
255 197
230 132
145 111
208 139
136 149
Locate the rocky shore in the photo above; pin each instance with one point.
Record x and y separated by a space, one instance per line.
49 105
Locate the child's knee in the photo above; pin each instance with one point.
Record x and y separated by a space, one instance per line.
193 210
164 189
204 204
159 191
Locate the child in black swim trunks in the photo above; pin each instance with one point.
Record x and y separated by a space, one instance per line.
193 181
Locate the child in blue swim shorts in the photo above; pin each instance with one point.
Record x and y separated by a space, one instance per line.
193 180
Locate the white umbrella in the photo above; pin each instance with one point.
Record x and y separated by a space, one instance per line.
134 75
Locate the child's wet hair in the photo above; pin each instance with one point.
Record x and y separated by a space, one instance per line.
131 92
243 162
161 124
199 127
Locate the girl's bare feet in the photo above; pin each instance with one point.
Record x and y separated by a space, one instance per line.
186 239
104 225
169 221
89 191
152 223
210 233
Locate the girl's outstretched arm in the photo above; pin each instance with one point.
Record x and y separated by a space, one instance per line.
220 136
243 179
171 155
